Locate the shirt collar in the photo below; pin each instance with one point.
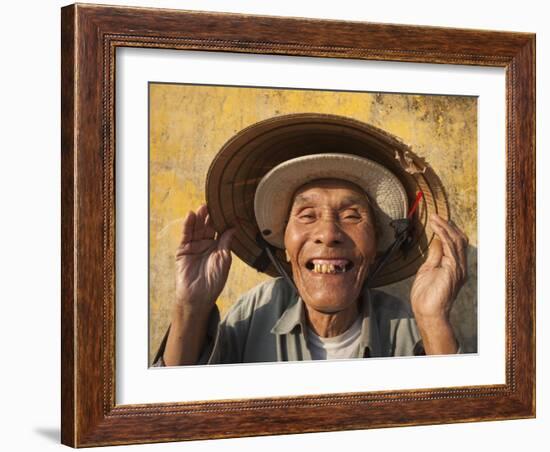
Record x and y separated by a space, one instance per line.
294 316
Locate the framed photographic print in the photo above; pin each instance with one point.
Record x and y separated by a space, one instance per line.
269 222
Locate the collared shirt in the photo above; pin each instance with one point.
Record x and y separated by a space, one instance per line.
268 324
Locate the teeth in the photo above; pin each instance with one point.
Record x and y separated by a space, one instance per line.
328 268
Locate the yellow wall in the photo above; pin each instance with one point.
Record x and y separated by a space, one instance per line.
190 123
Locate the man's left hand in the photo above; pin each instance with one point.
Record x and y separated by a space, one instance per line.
437 284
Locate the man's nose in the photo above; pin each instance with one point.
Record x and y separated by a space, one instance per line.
328 232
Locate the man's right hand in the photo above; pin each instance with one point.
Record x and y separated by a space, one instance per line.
202 266
202 263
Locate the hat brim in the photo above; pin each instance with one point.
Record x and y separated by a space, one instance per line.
250 154
275 192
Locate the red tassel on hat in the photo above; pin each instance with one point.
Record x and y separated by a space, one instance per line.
419 196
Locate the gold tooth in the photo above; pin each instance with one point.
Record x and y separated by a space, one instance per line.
325 268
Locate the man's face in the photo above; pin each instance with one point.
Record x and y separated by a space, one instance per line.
330 241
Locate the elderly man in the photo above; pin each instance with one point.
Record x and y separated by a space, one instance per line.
334 221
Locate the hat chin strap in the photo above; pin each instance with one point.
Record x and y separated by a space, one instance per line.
403 236
266 257
403 228
280 268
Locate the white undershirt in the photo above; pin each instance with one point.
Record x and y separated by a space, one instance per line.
338 347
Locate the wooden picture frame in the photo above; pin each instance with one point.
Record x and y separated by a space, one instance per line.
90 36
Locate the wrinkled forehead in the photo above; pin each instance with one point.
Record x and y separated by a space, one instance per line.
342 190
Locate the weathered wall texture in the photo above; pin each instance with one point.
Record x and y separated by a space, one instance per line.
189 124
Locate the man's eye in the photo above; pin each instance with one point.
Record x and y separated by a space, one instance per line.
351 216
306 215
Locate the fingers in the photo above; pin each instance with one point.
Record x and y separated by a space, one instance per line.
188 228
442 232
204 229
195 247
454 243
200 229
209 231
198 234
435 254
453 231
197 226
226 239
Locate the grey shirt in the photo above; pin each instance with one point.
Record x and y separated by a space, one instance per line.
268 324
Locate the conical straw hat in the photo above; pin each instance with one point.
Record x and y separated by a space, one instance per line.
294 149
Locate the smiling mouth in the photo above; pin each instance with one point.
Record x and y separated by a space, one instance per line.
329 266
